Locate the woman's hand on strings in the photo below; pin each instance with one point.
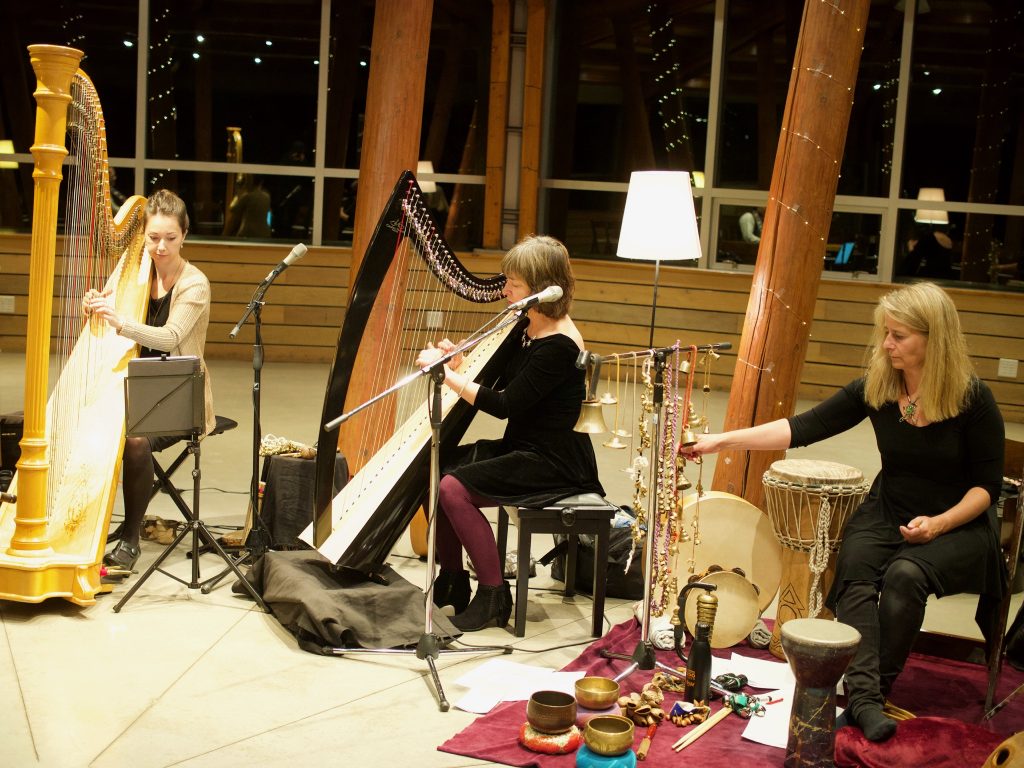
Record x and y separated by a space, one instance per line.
98 303
432 354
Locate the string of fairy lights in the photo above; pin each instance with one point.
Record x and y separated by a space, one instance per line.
798 139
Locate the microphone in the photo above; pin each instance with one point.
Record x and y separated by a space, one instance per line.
297 253
549 294
257 298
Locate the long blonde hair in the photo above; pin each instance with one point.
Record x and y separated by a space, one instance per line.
948 371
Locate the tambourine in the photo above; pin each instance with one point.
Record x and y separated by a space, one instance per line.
733 533
738 609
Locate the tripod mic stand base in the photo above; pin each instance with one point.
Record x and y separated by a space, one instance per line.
642 659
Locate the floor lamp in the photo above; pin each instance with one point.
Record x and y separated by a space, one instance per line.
659 223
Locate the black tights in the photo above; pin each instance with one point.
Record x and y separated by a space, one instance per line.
888 623
138 486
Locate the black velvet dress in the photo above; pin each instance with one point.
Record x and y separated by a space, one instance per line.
539 459
925 471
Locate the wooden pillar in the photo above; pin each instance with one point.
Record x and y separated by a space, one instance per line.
789 260
391 144
529 163
497 116
394 110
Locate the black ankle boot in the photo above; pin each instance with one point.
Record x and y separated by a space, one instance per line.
452 588
490 605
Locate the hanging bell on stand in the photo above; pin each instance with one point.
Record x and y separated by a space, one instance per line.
591 420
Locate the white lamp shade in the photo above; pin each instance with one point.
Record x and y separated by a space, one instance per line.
427 187
7 148
659 222
925 216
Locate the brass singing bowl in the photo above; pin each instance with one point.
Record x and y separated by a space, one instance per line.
608 735
596 692
551 711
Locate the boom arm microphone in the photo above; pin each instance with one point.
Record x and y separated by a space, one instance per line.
257 298
297 253
549 294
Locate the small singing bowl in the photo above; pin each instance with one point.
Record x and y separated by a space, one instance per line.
596 692
609 735
551 711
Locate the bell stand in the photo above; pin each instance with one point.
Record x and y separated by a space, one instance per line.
643 656
430 644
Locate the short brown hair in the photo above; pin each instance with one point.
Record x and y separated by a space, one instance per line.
542 261
163 202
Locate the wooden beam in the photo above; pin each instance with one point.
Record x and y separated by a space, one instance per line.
497 117
533 89
777 326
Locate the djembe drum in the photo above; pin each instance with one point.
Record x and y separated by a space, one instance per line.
819 651
808 503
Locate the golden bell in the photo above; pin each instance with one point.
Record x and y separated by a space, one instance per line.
608 399
591 418
615 443
621 433
684 366
682 483
688 438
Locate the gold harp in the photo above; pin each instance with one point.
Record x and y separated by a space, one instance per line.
53 536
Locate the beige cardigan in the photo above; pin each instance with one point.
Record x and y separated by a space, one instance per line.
185 330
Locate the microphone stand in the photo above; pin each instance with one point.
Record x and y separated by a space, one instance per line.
430 644
258 541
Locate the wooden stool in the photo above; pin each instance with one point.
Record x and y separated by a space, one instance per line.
584 513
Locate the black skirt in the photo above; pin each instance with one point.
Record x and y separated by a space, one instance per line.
528 474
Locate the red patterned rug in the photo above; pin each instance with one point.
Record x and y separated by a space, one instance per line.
947 697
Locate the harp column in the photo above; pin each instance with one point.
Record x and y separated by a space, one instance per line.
54 67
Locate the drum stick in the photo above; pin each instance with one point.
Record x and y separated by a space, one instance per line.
703 728
645 745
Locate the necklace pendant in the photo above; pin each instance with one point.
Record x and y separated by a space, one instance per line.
908 413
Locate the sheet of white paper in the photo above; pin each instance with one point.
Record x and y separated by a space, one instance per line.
761 673
773 728
499 680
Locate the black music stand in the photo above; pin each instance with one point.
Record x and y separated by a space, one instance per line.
166 396
430 644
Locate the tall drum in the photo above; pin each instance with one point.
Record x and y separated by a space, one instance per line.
819 652
808 503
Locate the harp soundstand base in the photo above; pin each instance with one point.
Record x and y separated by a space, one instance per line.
174 398
430 645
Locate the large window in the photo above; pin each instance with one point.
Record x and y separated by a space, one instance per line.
228 100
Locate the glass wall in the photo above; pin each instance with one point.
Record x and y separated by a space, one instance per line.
260 108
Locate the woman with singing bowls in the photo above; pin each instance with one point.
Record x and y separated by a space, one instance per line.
927 526
539 460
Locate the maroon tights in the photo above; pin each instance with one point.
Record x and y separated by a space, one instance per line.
461 524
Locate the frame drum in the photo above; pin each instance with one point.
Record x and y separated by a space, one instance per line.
808 503
733 534
737 608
